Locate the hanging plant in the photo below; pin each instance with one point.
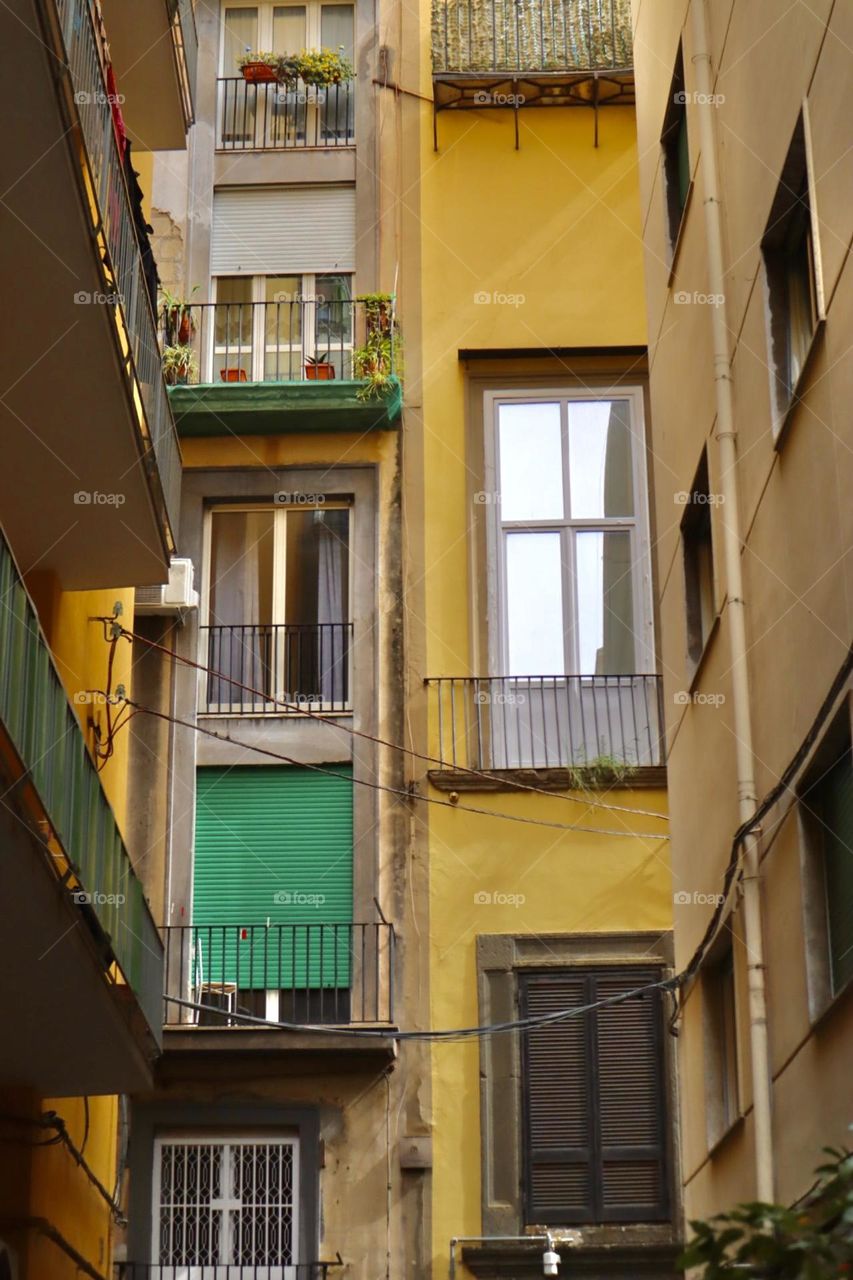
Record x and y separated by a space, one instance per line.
324 67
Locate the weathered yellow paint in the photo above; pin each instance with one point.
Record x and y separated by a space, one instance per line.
535 249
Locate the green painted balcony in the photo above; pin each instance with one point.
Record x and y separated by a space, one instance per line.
81 960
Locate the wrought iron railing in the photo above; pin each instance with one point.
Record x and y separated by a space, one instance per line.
271 117
257 668
286 339
185 40
222 1270
46 735
331 974
546 722
530 35
136 324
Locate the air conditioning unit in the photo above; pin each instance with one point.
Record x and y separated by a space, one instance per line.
8 1263
175 596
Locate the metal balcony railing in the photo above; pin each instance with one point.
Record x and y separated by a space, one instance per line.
222 1271
46 735
305 665
304 973
136 324
286 339
270 117
470 36
185 41
548 722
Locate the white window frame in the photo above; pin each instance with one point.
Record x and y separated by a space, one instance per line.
308 346
313 22
283 1271
637 525
279 591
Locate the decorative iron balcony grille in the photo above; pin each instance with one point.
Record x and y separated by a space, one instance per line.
222 1271
185 41
270 117
470 36
305 666
548 722
331 974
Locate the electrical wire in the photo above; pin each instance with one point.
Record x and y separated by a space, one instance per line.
395 791
300 709
452 1035
52 1120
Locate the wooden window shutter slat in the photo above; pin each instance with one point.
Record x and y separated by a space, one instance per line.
594 1099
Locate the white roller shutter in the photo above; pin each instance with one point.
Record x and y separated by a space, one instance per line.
268 230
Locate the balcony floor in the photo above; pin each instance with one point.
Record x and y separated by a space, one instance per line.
278 408
191 1052
66 1030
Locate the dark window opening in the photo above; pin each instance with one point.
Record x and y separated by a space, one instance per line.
676 152
698 564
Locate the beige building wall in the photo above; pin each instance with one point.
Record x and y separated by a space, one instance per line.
796 523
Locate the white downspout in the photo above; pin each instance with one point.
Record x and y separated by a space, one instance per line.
728 483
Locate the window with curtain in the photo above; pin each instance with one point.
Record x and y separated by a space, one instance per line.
278 607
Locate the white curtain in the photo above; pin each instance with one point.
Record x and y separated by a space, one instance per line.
333 657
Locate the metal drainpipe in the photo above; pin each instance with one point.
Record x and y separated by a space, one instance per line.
725 436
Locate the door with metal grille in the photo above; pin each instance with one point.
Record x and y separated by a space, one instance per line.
225 1209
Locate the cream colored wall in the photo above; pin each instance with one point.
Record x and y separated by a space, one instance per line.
797 524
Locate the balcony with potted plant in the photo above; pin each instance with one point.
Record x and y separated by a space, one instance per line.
295 364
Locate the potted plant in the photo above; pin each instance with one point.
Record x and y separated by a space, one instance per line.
376 361
178 319
258 67
179 364
318 369
325 67
287 70
233 374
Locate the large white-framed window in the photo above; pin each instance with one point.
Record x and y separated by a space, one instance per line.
570 631
280 328
285 28
223 1202
569 541
276 606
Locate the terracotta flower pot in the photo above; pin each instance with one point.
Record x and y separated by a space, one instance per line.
259 73
232 375
319 372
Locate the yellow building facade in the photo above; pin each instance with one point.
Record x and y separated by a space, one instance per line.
531 288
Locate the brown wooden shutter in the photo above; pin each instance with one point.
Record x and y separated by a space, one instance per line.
594 1114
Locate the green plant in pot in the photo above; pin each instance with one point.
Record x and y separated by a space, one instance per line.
178 319
259 67
179 364
318 368
376 361
324 67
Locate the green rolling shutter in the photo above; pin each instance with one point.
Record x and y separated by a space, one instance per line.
274 847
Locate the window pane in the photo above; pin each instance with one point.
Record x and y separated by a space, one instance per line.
336 27
288 28
333 321
239 36
832 800
282 328
232 331
241 567
317 567
600 474
534 590
605 603
531 462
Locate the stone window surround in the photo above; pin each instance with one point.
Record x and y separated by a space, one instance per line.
499 957
151 1120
